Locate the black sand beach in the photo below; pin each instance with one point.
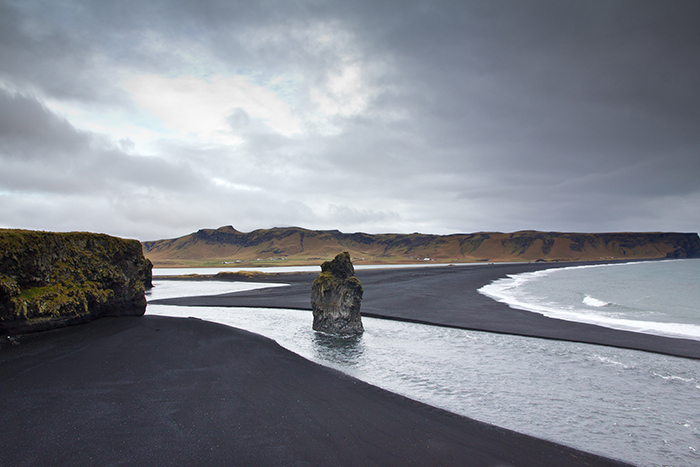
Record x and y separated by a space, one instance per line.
169 391
448 296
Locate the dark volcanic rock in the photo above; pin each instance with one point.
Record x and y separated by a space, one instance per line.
336 295
50 280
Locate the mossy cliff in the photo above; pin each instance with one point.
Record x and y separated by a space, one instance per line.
336 295
50 280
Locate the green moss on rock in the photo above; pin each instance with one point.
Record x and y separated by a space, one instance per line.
336 296
49 280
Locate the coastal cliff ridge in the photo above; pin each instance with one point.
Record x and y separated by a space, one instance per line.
50 280
297 246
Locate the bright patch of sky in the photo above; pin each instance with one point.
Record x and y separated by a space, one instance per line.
201 108
202 102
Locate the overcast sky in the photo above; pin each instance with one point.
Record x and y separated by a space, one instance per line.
154 119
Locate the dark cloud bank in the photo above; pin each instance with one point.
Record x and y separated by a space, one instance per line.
436 117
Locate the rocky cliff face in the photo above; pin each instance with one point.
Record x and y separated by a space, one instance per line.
50 280
336 295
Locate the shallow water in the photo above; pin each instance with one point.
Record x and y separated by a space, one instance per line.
179 288
624 404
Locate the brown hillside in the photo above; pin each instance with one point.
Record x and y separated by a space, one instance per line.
293 245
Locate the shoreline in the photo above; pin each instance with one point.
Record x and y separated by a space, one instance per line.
500 290
448 296
136 391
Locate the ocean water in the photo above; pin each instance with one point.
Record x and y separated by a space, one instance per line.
635 406
180 288
656 297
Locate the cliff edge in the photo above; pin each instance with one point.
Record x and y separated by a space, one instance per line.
50 280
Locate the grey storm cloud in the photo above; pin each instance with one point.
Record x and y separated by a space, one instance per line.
155 119
41 152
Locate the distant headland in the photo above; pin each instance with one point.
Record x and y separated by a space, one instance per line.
294 246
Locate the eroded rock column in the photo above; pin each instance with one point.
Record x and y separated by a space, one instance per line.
336 295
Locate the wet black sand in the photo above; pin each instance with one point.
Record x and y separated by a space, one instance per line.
448 296
169 391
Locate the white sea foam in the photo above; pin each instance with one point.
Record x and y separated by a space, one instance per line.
652 311
611 361
591 301
675 378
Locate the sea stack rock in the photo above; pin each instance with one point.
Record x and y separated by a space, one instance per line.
50 280
336 295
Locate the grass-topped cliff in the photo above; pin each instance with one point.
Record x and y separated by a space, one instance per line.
293 245
49 280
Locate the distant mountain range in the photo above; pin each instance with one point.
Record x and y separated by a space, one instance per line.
293 245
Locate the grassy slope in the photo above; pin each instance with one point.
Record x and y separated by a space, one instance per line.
209 247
